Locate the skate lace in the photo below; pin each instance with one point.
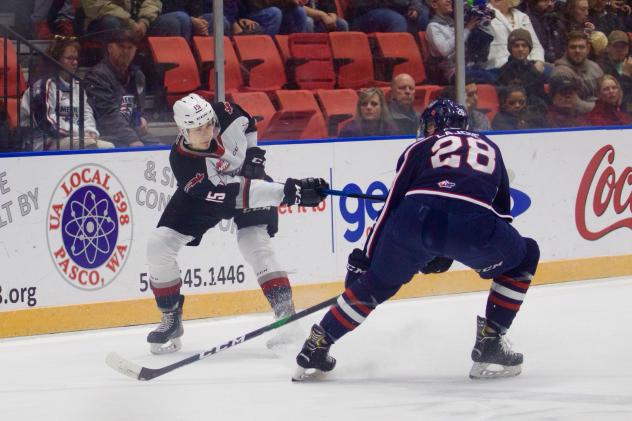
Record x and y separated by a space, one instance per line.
505 346
168 319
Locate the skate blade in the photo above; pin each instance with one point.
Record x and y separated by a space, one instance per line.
168 348
481 371
307 374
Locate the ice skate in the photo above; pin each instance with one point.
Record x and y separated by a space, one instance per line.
314 359
165 339
492 355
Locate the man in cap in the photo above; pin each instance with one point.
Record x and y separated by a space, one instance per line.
576 64
564 108
116 92
521 71
617 62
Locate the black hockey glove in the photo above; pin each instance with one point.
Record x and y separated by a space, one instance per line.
253 166
357 264
437 265
304 192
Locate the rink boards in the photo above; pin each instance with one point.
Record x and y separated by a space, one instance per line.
73 227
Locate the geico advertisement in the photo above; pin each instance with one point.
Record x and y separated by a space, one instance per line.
73 228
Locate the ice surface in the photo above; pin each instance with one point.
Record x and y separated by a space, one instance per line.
408 361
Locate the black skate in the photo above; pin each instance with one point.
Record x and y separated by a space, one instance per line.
492 356
165 338
314 358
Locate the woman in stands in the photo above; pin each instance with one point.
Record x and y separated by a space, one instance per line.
607 111
53 121
373 118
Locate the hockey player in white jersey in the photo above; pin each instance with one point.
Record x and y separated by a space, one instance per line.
220 174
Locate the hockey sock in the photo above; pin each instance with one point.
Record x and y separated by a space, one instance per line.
279 294
167 295
350 310
504 300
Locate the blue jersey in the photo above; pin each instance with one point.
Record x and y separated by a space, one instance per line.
456 164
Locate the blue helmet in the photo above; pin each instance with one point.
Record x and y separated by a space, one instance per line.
442 114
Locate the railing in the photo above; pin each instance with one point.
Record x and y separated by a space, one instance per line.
26 140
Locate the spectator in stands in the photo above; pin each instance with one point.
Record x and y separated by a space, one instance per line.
576 64
506 20
514 113
476 117
607 111
564 109
294 15
46 105
440 35
387 15
373 118
604 18
116 89
598 41
546 24
616 62
322 17
144 18
575 18
519 70
52 16
401 104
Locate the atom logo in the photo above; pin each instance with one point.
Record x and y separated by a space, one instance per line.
89 226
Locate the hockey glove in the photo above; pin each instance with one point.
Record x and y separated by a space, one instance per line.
253 166
357 264
304 192
437 265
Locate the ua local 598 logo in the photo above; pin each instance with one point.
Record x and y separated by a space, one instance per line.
89 227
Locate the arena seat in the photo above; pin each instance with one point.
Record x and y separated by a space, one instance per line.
303 100
311 61
338 105
353 60
260 56
14 77
488 99
175 60
233 79
282 42
423 46
399 53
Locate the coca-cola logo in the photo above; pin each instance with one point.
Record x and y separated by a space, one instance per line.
609 193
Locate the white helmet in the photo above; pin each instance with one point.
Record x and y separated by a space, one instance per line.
191 112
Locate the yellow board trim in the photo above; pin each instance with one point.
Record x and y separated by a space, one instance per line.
134 312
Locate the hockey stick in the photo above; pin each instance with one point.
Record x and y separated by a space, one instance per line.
354 195
137 372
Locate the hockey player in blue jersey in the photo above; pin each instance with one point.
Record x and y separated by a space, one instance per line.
449 200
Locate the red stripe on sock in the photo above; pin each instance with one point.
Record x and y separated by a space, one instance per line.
523 285
164 292
355 302
503 303
275 283
341 319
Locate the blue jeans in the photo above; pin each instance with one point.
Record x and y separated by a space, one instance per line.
173 24
341 25
294 20
380 20
269 19
228 30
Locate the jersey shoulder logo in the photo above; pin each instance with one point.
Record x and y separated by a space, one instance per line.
197 179
89 229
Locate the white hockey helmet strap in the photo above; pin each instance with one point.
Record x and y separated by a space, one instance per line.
192 112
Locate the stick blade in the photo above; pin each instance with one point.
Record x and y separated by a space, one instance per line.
123 366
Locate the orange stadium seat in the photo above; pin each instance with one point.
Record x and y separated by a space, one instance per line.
262 59
423 46
15 79
233 79
311 60
338 105
11 111
399 53
273 124
353 60
341 7
488 99
283 45
303 100
173 56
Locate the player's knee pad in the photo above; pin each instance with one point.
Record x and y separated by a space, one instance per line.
527 267
256 247
163 246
